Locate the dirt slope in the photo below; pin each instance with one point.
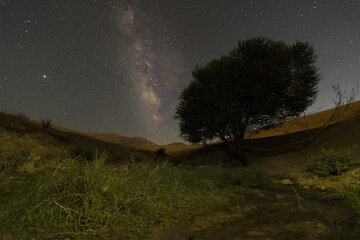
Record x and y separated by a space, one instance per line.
308 122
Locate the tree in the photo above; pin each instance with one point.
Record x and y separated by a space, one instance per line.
259 84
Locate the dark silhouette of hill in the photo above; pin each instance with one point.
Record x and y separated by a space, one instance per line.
136 142
140 142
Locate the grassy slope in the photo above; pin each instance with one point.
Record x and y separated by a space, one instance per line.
77 141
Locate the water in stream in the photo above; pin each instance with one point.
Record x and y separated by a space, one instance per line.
278 213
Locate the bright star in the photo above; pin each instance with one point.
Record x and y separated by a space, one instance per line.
44 76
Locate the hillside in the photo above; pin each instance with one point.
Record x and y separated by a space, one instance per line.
139 142
302 126
74 140
280 153
309 122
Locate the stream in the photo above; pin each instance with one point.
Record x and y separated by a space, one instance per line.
279 212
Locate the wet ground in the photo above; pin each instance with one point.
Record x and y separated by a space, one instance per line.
279 212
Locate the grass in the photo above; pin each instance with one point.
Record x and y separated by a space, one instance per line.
332 162
25 153
351 197
47 193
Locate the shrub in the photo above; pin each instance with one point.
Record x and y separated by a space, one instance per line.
331 162
46 123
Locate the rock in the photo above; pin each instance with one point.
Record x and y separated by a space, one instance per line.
279 196
254 233
286 181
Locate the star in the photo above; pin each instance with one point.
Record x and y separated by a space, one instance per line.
44 76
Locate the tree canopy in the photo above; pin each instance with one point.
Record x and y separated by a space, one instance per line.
261 82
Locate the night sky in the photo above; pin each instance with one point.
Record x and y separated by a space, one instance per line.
119 66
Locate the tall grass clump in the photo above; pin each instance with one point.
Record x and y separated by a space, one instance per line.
46 123
331 162
351 196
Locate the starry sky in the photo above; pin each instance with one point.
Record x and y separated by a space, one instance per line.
119 65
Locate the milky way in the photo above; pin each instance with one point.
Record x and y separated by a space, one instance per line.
140 67
154 70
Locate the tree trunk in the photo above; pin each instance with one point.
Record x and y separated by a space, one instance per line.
239 140
234 148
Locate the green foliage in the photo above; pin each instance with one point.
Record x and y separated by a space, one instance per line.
331 162
261 82
351 196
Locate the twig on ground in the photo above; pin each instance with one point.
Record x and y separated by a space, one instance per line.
298 197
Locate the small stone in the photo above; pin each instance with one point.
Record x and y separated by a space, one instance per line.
254 233
279 196
286 181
